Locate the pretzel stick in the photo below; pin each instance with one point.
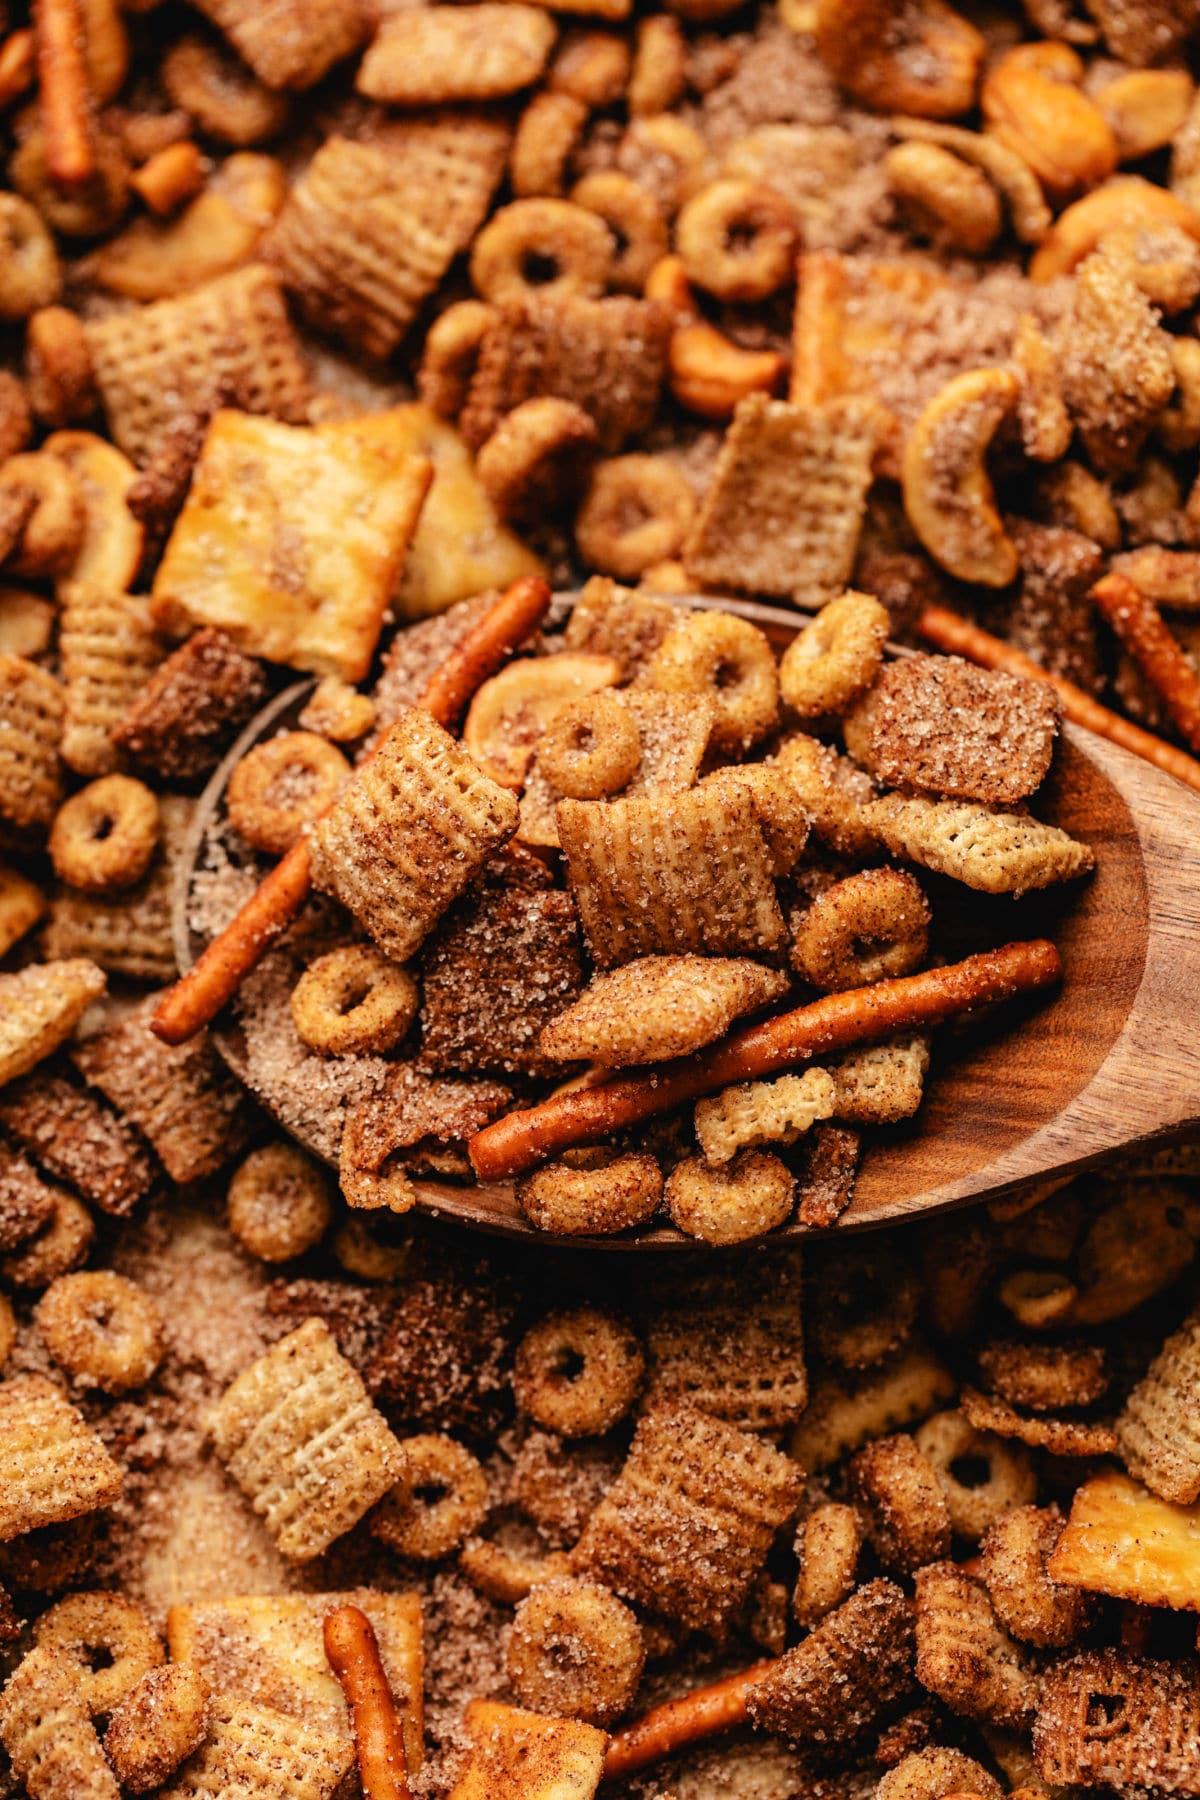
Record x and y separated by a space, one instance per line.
223 965
1161 658
64 93
353 1653
700 1714
910 1003
950 631
17 58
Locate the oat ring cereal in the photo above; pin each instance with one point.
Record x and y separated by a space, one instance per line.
835 657
441 1500
103 837
32 276
573 1202
505 1574
868 928
578 1372
353 1001
982 1476
544 247
58 1247
107 1623
575 1651
742 1199
737 239
105 1331
592 747
637 511
635 221
278 1205
731 661
280 787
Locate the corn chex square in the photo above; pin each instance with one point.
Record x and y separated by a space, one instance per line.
55 1467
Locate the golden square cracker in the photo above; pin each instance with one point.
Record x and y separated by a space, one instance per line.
659 1007
762 1112
55 1467
685 1528
369 229
787 499
131 933
881 1083
46 1727
31 722
108 648
76 1138
992 852
941 725
290 43
1158 1430
180 1097
848 1673
518 1755
253 1752
291 541
407 835
447 53
734 1354
40 1006
158 366
22 904
1124 1541
607 356
664 872
269 1648
304 1443
1109 1719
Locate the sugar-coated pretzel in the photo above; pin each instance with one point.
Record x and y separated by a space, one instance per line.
701 1714
66 99
522 1139
197 999
353 1653
1139 625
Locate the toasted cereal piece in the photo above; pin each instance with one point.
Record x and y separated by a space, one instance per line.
513 709
56 1248
337 711
55 1467
267 1649
104 836
498 971
833 790
253 1752
572 247
302 1440
671 872
31 723
596 1202
575 1652
180 1097
183 717
517 1754
1122 1540
762 1112
1117 372
828 1545
870 927
369 229
353 1001
851 1670
743 1198
826 1176
907 1521
556 1484
102 1329
607 620
963 1654
578 1372
1158 1430
40 1006
835 657
1045 1376
307 591
22 904
1062 1437
291 43
735 1355
278 1203
26 1203
46 1728
441 1499
425 1114
685 1528
445 1360
731 661
157 1726
547 133
992 852
608 356
1108 1719
844 1411
130 933
160 364
658 1007
786 503
481 52
882 1083
1031 1604
982 1475
1052 619
935 1772
409 832
591 748
863 1306
26 623
536 461
109 649
941 725
635 515
280 787
78 1139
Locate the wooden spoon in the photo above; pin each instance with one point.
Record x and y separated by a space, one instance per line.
1040 1095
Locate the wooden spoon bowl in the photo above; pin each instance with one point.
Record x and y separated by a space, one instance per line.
1034 1095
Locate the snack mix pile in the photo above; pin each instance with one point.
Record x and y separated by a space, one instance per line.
477 364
